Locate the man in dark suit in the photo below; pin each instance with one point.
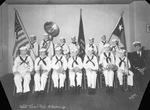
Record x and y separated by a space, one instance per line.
138 63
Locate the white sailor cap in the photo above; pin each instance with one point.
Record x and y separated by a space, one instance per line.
61 38
91 38
103 36
57 48
106 45
42 50
121 51
137 43
23 48
114 40
31 36
45 34
73 37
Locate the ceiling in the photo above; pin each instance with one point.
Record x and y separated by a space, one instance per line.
70 1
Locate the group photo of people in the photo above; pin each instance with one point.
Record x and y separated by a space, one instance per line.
107 59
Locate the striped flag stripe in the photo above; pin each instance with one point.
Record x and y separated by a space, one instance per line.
24 39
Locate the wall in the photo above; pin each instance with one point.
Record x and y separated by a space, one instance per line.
142 17
4 39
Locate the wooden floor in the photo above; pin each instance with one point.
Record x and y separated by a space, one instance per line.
84 101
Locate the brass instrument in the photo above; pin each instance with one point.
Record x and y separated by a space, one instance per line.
51 28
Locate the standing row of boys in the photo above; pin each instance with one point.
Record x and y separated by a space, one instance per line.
105 58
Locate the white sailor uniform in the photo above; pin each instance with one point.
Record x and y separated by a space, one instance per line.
123 69
23 67
101 47
91 67
59 77
105 60
49 46
65 49
74 46
74 62
33 50
42 68
93 46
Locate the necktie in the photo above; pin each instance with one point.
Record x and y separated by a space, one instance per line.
121 61
45 43
59 60
74 61
75 43
104 42
90 60
108 59
91 45
32 45
23 61
42 59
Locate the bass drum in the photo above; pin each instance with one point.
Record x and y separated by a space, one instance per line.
51 28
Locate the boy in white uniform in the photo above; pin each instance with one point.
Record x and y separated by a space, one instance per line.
91 67
59 65
22 70
64 47
75 71
107 60
42 68
48 44
101 44
91 45
123 65
33 47
74 44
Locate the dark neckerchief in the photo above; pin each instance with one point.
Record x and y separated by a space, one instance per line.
23 61
42 59
74 61
108 59
59 60
104 42
121 61
90 60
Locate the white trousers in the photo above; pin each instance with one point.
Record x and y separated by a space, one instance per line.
58 79
18 82
91 78
109 77
72 76
40 81
129 77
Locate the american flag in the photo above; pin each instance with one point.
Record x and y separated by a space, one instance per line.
20 36
81 39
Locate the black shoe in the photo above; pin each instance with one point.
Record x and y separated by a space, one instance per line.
111 90
130 89
37 94
122 89
78 90
42 93
56 91
107 90
61 91
89 90
94 91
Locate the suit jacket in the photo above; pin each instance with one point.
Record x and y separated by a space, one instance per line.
138 61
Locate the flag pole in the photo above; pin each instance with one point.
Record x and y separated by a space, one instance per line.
115 26
24 30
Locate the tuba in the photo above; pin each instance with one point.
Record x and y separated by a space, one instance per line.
51 28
